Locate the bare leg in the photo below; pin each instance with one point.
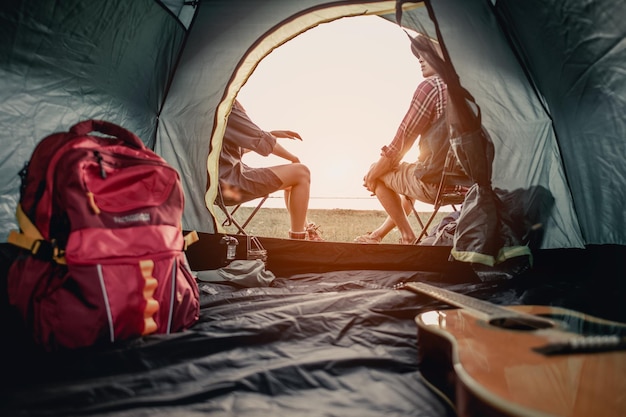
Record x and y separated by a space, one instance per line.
387 226
296 180
395 206
287 196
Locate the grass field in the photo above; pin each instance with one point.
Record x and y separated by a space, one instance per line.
337 225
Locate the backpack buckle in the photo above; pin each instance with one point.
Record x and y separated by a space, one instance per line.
47 251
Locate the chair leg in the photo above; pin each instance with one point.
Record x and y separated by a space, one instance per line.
424 227
427 225
256 209
417 216
230 219
437 206
439 198
234 210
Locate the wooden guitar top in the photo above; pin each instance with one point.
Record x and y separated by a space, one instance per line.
504 364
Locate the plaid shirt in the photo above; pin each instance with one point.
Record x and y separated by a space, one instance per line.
428 104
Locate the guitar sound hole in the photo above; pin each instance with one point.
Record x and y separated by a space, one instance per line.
521 323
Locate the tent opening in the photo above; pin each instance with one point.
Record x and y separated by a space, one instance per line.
344 86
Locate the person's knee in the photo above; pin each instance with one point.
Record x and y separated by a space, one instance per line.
302 173
293 175
378 184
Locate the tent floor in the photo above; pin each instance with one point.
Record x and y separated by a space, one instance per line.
312 343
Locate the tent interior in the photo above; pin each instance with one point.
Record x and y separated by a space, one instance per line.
335 332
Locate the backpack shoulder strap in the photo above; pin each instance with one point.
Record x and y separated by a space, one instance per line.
31 239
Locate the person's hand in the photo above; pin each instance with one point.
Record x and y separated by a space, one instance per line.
288 134
369 182
378 169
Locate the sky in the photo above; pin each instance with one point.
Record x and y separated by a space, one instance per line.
344 86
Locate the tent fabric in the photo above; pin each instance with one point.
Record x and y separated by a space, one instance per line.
337 343
61 63
225 43
288 257
528 154
297 348
576 64
331 335
486 63
170 71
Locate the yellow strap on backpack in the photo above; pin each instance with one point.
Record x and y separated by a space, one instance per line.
30 238
190 238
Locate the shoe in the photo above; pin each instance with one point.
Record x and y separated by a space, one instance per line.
313 232
367 238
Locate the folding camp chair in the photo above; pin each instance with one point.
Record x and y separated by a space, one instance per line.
254 249
451 192
230 213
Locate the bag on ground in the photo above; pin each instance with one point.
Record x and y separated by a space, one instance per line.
100 221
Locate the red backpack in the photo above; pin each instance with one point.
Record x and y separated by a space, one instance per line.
100 217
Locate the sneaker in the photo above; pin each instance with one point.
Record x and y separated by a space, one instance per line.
313 232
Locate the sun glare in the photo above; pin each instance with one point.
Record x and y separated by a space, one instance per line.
344 86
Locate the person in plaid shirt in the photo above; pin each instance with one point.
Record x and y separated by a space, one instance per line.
391 179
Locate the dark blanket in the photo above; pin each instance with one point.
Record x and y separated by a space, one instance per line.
319 344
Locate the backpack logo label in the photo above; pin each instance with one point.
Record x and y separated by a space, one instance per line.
132 218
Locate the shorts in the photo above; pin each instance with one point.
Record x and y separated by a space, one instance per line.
254 183
402 180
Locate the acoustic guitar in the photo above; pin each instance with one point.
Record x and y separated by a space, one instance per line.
539 361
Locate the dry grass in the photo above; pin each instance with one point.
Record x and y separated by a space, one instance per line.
337 225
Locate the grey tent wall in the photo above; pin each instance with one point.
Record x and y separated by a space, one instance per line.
528 164
222 34
569 139
528 156
63 62
522 121
576 54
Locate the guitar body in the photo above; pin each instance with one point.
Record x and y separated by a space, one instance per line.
487 367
